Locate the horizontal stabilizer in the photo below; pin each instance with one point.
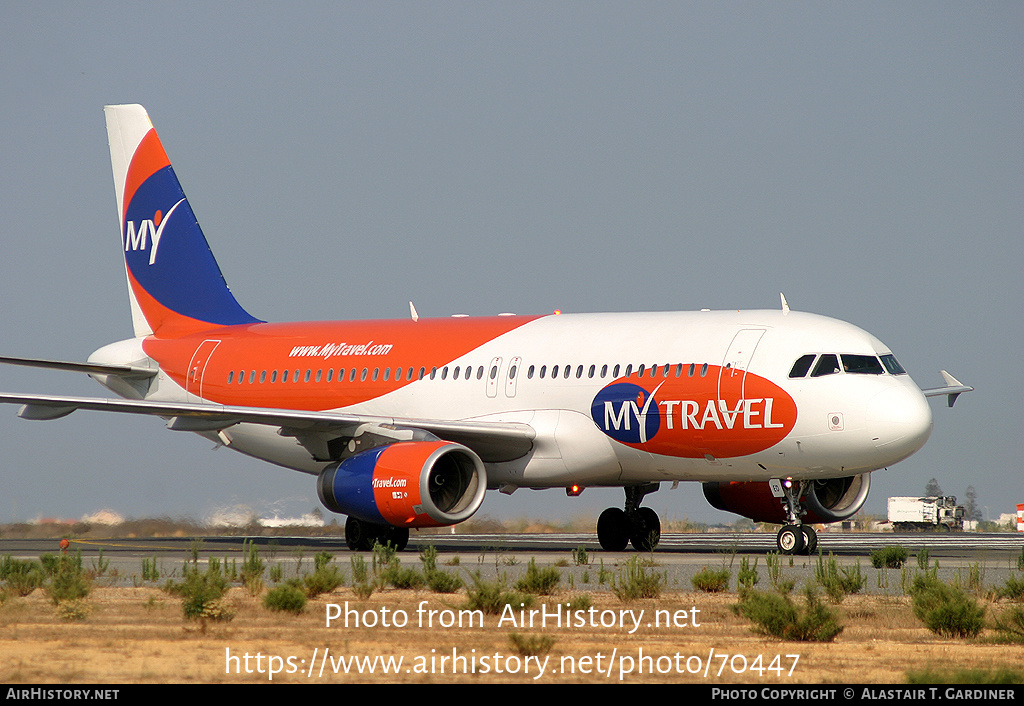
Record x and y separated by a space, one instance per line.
953 389
125 371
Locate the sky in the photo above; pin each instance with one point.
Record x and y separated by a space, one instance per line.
344 158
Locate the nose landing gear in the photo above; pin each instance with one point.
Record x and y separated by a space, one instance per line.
795 537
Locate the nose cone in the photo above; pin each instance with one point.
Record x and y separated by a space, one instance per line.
901 420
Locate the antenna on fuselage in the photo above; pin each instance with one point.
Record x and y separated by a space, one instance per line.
412 312
785 304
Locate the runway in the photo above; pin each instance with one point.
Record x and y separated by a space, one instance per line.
959 545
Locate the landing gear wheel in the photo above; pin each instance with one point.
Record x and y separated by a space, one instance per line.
613 530
790 539
397 536
810 539
358 535
646 531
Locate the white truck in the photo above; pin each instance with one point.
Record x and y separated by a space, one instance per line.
927 514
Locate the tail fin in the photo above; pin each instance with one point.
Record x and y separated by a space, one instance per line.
176 286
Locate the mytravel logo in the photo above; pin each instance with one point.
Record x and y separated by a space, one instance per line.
147 232
695 416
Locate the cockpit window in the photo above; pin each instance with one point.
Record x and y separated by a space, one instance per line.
862 364
892 365
801 366
828 364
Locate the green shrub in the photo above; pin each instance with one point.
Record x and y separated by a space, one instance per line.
531 645
747 577
491 596
201 592
635 581
325 577
838 583
397 576
775 615
22 575
252 568
711 580
1013 589
891 557
68 581
443 582
945 610
1010 625
538 581
285 599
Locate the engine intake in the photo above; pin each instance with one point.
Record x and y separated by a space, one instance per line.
406 484
830 500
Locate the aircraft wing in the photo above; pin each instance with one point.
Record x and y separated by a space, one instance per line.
952 389
492 441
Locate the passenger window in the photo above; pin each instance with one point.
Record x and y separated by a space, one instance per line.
615 371
801 366
529 373
231 376
827 364
273 376
591 371
579 372
554 371
263 376
568 369
704 370
455 373
284 376
252 376
604 371
862 364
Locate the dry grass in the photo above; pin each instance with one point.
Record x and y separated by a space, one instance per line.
138 635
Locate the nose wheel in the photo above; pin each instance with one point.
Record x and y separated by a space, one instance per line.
795 537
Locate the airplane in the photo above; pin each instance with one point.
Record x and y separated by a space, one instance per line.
782 416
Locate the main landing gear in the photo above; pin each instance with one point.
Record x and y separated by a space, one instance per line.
361 535
795 537
634 525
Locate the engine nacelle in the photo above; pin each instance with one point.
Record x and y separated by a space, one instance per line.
406 484
830 500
